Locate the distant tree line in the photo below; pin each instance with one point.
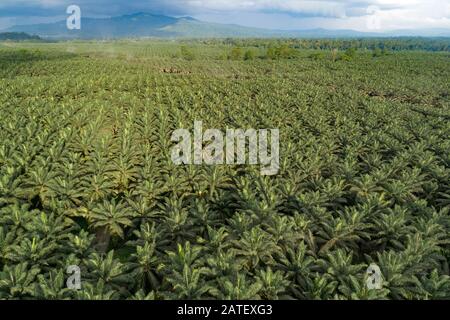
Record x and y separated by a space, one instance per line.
389 44
285 51
282 51
17 36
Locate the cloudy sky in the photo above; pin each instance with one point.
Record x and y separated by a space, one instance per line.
364 15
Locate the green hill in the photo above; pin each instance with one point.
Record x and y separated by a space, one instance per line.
142 25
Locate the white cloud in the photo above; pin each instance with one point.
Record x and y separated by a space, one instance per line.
392 14
410 14
286 14
309 7
42 3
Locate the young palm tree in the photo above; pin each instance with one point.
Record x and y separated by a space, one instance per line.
7 239
435 286
222 264
18 281
187 284
143 208
143 266
10 186
298 264
53 287
141 295
255 247
237 288
357 289
110 271
339 267
202 215
109 218
38 182
393 228
176 218
96 291
274 284
97 187
125 171
317 287
40 252
345 230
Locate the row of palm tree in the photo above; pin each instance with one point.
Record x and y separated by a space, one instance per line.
86 179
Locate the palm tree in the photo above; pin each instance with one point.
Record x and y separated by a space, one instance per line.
10 186
339 266
53 287
17 281
39 252
97 187
255 247
222 264
108 219
125 171
38 182
140 295
109 270
298 263
7 239
187 284
143 266
319 286
435 286
237 288
274 284
143 208
176 218
96 291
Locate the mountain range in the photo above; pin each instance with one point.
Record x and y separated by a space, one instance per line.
141 25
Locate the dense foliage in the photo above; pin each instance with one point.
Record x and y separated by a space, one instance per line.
16 36
86 177
391 44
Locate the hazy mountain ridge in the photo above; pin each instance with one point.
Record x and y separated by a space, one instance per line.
150 25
